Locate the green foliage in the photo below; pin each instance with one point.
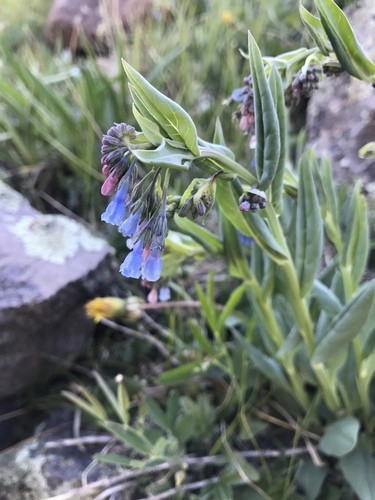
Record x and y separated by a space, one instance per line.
288 334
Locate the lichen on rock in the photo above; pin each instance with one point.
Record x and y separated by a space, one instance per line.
54 238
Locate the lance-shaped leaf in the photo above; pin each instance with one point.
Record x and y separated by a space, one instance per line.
356 239
200 234
149 127
330 205
165 112
267 151
233 251
309 226
315 28
267 366
344 42
346 325
276 86
247 223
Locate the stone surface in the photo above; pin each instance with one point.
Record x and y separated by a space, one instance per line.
49 267
71 23
341 114
34 470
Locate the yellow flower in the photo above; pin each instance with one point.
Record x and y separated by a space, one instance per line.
113 307
227 17
105 307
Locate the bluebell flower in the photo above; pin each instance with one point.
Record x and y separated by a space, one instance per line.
152 265
116 210
131 267
129 227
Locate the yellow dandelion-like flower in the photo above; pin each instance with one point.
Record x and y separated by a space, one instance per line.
105 307
227 17
113 307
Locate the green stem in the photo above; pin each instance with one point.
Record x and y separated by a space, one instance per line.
297 302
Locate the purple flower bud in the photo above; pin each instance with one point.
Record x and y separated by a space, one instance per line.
245 206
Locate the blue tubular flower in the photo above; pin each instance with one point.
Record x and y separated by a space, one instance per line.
116 210
129 227
131 267
152 265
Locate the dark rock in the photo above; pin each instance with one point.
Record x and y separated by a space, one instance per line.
41 467
49 267
73 24
341 114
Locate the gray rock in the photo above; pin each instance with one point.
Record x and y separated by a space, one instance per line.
72 24
34 470
49 267
341 114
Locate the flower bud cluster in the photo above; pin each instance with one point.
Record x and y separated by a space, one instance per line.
253 201
305 82
199 198
246 112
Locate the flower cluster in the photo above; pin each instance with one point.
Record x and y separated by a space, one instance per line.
139 210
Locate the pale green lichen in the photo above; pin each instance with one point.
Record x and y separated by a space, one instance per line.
10 200
54 238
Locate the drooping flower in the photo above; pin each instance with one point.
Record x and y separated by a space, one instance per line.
116 210
131 267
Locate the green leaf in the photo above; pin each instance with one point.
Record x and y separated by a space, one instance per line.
149 127
237 265
172 117
208 306
327 299
200 337
311 478
316 30
157 414
267 129
356 239
200 234
309 226
346 325
130 437
247 223
182 373
267 365
341 437
344 42
232 302
330 205
219 134
276 86
165 156
358 468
